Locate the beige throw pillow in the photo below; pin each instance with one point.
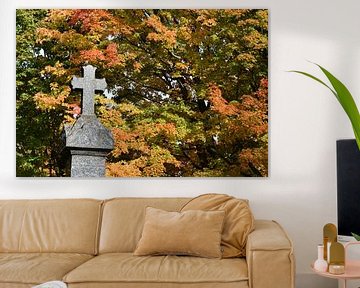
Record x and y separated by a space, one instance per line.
238 223
193 232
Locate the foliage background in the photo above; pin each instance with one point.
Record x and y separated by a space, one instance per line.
189 89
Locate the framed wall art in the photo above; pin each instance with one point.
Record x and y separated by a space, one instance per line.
142 93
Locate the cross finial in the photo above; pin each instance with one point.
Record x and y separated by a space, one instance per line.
89 84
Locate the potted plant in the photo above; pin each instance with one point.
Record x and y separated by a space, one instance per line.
345 99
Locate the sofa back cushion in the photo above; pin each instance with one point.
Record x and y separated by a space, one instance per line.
238 224
123 220
32 226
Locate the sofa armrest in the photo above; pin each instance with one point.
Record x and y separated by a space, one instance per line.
269 256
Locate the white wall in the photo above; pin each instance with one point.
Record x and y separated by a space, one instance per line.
305 120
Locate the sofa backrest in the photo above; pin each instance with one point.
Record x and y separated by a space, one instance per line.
67 226
123 220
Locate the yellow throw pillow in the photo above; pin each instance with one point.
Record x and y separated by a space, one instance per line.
239 220
193 232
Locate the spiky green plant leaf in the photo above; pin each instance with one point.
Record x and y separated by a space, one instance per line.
344 97
356 236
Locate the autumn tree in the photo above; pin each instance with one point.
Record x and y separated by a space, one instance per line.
189 88
36 132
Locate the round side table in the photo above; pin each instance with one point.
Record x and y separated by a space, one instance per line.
352 269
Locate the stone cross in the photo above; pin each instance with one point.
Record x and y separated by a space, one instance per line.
87 141
89 84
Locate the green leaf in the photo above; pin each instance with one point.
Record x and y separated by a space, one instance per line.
356 236
344 97
347 102
316 79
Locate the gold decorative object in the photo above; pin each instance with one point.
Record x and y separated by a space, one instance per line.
336 269
337 258
330 236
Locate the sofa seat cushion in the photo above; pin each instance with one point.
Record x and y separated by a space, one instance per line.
127 268
36 268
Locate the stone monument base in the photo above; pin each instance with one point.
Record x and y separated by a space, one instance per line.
88 163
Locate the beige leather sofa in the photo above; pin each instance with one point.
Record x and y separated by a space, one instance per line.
89 243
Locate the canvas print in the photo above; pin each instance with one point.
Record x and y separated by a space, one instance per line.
142 93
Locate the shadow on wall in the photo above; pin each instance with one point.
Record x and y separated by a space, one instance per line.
326 34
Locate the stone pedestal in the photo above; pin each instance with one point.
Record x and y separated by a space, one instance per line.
87 163
89 142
